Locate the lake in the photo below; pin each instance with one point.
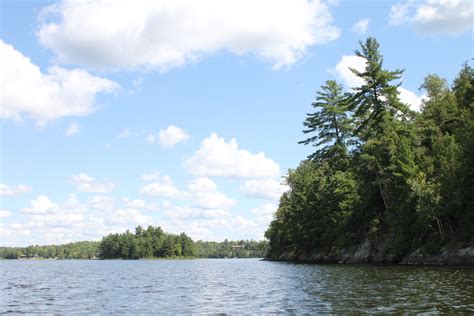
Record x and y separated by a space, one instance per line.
229 286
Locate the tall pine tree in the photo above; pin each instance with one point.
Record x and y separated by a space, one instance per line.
329 126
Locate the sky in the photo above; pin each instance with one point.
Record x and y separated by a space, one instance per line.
184 114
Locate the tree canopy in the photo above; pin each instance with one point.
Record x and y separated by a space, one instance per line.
405 180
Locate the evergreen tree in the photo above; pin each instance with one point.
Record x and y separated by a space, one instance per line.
407 183
329 126
376 102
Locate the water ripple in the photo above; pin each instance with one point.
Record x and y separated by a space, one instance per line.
230 286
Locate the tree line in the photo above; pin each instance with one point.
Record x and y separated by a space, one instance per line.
379 171
151 242
75 250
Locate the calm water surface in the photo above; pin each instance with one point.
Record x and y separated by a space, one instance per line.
229 286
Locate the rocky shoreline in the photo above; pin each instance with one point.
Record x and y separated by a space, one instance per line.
368 253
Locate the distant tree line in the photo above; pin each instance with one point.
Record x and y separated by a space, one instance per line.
143 243
75 250
381 172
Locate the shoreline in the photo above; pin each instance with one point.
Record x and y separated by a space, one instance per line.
370 255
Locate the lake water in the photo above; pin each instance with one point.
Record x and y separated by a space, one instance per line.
229 286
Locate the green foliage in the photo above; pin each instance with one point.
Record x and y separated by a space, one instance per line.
375 103
75 250
149 243
406 179
329 125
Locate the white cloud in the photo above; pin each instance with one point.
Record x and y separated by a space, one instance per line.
139 204
410 98
343 71
153 176
361 26
158 189
6 190
204 194
28 93
72 129
101 202
350 80
71 220
268 189
264 215
42 205
126 133
5 213
216 157
168 137
265 211
181 213
166 34
435 16
136 203
86 183
128 216
171 136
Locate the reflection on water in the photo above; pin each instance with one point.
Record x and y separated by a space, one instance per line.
230 286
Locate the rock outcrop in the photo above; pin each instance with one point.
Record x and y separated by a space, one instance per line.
369 253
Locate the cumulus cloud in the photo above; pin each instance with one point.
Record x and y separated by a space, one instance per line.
268 189
41 205
49 222
216 157
6 190
165 34
139 204
154 176
435 16
160 189
410 98
72 129
5 213
264 213
203 194
101 202
171 136
181 213
168 137
343 70
361 26
126 216
250 227
350 80
58 93
86 183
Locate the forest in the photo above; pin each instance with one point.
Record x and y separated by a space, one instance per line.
148 243
380 172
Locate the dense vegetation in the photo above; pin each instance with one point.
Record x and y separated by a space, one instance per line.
144 243
75 250
401 179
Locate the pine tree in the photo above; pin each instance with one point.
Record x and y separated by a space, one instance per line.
376 102
329 125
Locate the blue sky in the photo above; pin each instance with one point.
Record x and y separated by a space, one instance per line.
184 114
